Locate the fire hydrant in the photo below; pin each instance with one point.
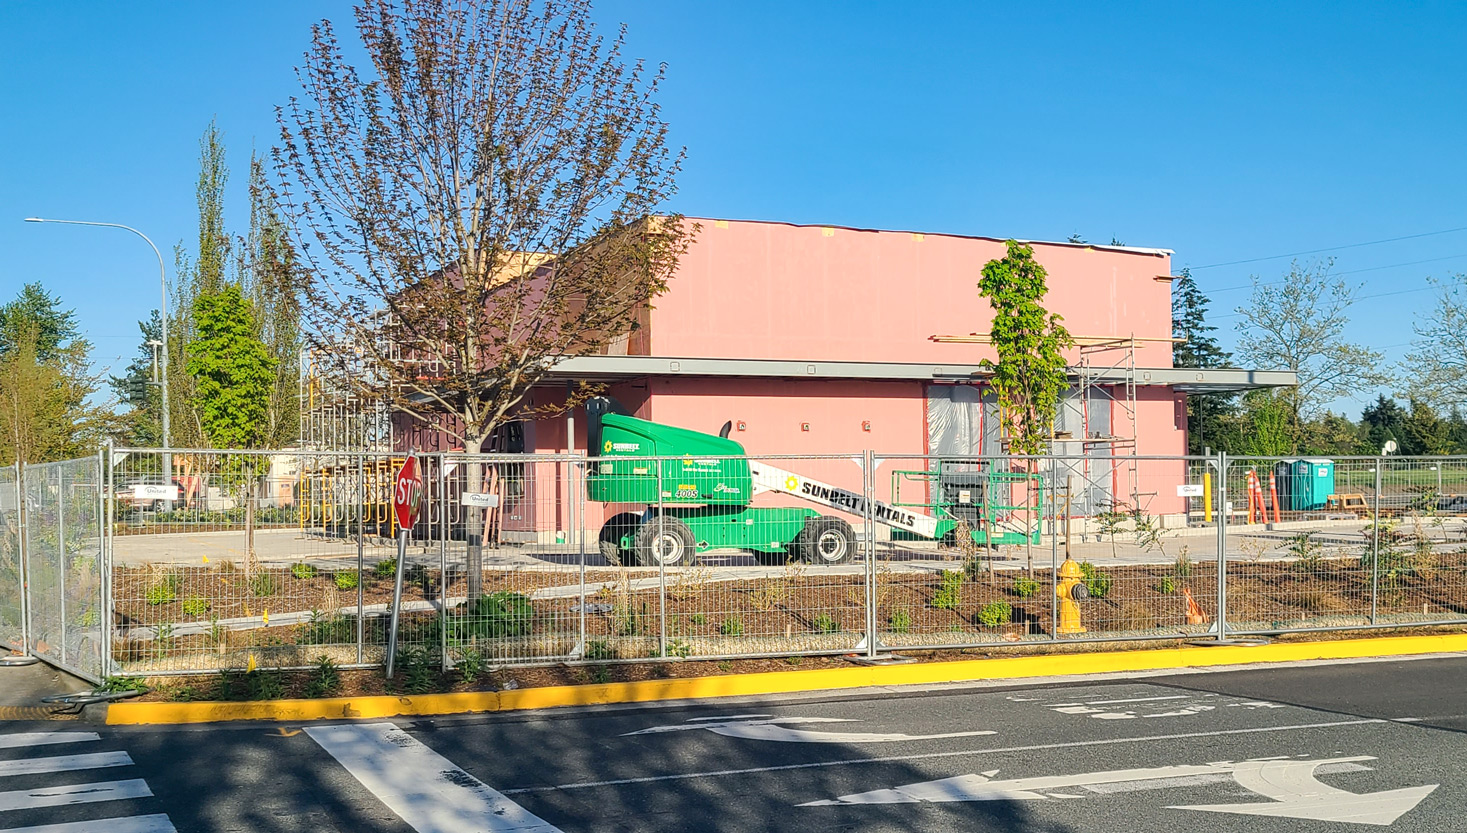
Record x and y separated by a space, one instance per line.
1070 590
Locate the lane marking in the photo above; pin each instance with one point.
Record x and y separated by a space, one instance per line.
74 794
1135 700
949 754
1296 794
426 790
768 729
132 824
64 763
21 739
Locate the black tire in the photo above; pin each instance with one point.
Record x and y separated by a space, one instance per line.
826 540
665 540
611 534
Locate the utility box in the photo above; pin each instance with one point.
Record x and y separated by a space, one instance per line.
1305 485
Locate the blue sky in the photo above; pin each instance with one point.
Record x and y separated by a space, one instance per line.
1224 131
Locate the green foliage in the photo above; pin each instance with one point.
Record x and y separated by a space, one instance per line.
163 590
232 371
302 570
1308 551
471 665
1150 534
121 684
1024 587
1112 520
679 648
950 594
327 629
994 614
1167 586
1183 566
325 678
345 580
1029 376
419 675
826 623
262 584
599 650
195 606
732 626
1097 581
1385 552
900 621
498 614
261 684
386 568
698 618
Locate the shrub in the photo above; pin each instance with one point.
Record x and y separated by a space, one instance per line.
1024 587
1183 567
1096 581
900 621
599 649
825 623
732 626
499 614
471 664
162 591
329 629
386 568
698 618
1167 586
679 648
419 675
345 580
262 584
195 606
325 678
303 570
950 595
994 614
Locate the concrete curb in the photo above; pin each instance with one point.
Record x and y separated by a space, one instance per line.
779 682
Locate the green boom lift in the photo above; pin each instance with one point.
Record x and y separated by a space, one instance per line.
695 491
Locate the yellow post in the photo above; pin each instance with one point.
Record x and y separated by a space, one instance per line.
1207 497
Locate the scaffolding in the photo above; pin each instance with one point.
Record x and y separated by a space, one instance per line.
1107 375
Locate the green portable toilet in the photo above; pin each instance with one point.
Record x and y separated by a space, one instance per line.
1311 484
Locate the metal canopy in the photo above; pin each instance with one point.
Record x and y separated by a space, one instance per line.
1184 380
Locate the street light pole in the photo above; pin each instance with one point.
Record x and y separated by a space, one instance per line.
162 317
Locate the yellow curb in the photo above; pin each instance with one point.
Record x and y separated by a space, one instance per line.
779 682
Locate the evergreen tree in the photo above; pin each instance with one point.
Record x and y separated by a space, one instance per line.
1207 414
1384 421
1423 432
45 382
138 389
37 316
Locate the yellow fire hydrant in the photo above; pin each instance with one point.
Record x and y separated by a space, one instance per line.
1070 590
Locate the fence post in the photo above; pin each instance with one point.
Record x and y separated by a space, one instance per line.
104 554
1222 546
361 508
1054 543
869 544
23 553
61 552
578 524
1375 545
443 560
661 571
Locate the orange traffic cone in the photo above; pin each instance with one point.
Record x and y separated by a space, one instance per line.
1195 616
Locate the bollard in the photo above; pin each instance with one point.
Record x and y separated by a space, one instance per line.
1070 590
1273 496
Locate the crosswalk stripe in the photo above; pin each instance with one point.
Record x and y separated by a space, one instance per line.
64 763
21 739
73 794
133 824
425 789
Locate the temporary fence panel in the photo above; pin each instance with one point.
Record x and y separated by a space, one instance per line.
12 574
514 559
63 556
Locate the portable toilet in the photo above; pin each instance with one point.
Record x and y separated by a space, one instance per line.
1311 482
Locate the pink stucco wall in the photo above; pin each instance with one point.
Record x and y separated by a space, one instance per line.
759 290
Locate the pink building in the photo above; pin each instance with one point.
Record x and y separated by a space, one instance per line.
819 340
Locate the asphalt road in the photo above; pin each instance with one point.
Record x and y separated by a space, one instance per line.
1299 748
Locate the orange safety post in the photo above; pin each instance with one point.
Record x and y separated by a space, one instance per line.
1273 495
1249 485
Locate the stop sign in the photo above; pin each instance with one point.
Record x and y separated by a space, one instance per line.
407 492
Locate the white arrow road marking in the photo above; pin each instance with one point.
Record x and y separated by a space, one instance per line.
1291 785
1296 794
765 727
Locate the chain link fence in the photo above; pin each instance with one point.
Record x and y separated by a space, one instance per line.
243 559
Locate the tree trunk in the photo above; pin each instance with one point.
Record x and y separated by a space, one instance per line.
249 520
